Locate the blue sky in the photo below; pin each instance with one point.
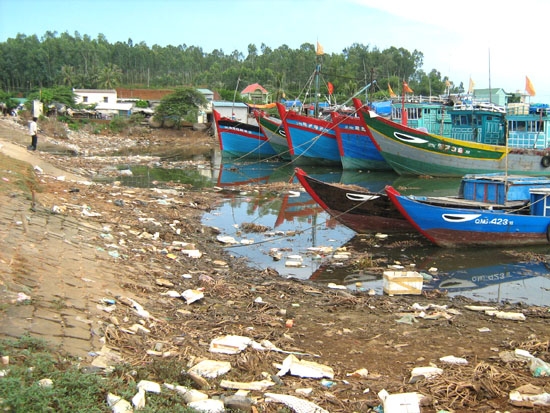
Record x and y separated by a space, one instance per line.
495 42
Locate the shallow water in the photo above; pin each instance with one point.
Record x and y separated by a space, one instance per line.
481 274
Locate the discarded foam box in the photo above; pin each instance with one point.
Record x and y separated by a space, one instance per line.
402 282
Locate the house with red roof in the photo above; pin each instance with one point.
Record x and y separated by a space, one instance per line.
256 93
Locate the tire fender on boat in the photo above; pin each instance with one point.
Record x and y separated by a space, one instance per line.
545 161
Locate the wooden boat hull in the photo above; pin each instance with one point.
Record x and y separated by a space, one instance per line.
465 227
360 210
412 152
356 148
311 141
241 140
274 131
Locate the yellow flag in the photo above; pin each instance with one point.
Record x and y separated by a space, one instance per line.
320 50
471 86
447 83
390 90
529 87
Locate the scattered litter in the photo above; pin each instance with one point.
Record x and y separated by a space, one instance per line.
484 330
479 308
400 402
363 373
506 315
118 404
190 296
407 319
529 396
427 372
295 403
224 239
453 360
192 253
402 282
294 366
229 344
22 297
208 406
138 401
45 383
210 368
253 385
149 386
337 286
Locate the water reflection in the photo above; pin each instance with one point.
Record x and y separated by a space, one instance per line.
298 226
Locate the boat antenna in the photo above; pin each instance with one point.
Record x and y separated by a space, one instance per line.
490 91
235 96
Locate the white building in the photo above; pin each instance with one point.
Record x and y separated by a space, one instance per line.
95 96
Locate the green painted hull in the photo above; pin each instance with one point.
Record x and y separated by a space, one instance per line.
411 152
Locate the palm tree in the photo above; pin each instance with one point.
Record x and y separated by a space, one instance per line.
110 76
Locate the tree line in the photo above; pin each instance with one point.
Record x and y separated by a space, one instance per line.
29 64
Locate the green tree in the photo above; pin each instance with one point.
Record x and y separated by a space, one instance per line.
109 77
181 105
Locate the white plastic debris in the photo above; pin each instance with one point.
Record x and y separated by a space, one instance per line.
503 315
224 239
427 372
479 308
295 403
22 297
190 296
209 406
252 385
302 368
453 360
529 396
363 373
229 344
171 293
293 263
211 368
45 383
138 401
337 286
400 402
192 253
149 386
118 404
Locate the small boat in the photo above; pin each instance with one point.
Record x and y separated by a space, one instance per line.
367 211
311 140
357 151
464 223
274 131
241 140
357 208
414 152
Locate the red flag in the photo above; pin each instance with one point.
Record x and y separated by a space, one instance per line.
330 88
529 87
406 88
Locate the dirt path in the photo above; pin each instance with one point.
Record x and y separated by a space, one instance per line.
82 243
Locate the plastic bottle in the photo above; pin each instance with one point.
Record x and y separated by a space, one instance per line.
539 368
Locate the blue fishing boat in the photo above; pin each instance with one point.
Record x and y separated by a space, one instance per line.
355 146
241 140
466 223
311 140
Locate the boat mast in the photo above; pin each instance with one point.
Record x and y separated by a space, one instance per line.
317 87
